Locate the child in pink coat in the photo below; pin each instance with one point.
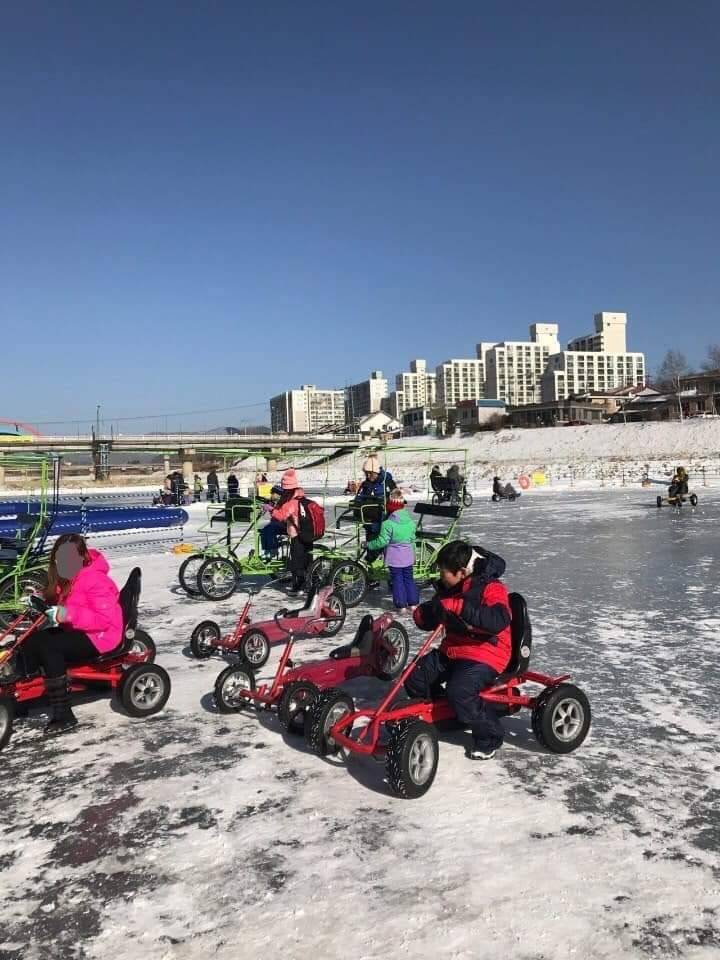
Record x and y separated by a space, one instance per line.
84 622
287 512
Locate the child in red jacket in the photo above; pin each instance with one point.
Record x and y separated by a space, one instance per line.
473 605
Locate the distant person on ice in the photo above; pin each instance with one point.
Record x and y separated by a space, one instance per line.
233 485
213 487
375 487
504 491
474 606
397 539
197 489
679 484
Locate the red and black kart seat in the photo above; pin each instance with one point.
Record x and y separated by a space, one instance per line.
129 600
520 636
308 608
362 644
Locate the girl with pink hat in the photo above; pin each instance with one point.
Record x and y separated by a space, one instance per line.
287 512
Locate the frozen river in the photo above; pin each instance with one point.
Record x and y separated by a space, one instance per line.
195 835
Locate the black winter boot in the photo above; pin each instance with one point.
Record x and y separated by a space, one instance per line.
62 719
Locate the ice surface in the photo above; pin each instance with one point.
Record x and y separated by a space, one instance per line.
195 835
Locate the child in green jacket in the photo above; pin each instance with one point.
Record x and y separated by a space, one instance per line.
397 539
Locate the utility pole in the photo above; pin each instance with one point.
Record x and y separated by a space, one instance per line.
678 399
97 421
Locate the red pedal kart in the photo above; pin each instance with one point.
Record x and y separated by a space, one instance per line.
403 732
380 649
323 614
143 687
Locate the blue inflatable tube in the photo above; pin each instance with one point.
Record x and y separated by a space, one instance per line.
93 519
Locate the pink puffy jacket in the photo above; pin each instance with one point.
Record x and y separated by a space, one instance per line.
288 512
93 606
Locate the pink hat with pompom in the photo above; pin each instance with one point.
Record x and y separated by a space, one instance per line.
289 480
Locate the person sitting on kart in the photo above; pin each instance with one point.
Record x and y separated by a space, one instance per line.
474 606
504 491
287 512
269 534
455 481
85 621
679 484
374 489
436 478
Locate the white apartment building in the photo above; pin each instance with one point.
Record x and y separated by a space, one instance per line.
395 405
366 397
414 388
574 372
306 410
460 380
597 362
610 335
514 368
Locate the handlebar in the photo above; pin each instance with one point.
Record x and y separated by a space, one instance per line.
284 612
37 604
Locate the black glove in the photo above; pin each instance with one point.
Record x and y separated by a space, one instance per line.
456 624
429 615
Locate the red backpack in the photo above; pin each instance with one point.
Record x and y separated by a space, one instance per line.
311 521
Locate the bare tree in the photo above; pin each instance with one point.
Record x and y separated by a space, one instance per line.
673 366
713 358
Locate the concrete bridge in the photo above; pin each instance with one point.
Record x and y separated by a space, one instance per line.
184 445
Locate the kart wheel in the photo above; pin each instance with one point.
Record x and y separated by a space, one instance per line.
334 606
329 707
693 500
205 637
217 578
467 499
254 648
228 685
495 498
144 689
659 502
297 697
13 593
394 652
319 571
412 758
143 646
188 574
436 500
561 718
350 579
7 714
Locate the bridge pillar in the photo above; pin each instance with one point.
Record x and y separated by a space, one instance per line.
2 472
166 465
187 466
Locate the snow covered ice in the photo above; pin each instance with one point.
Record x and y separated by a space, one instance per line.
195 835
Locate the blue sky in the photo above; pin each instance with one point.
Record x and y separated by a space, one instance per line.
203 204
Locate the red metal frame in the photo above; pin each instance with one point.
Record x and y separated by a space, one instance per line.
276 634
323 673
110 671
367 739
